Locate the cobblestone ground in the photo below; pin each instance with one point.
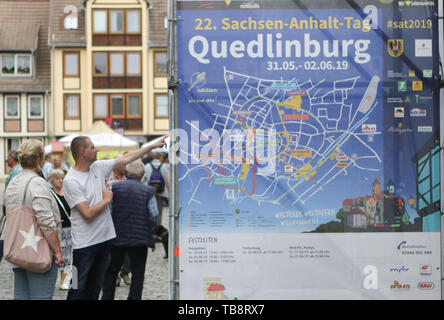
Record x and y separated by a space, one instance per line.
155 285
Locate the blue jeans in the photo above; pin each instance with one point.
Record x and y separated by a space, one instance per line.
89 267
30 285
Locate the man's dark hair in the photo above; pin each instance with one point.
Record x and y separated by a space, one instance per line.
78 143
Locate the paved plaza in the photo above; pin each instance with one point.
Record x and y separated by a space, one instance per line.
155 285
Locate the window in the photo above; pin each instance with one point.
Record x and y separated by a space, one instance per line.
35 107
160 64
116 21
134 105
100 64
133 21
71 64
100 21
117 66
72 106
15 65
23 64
12 107
119 21
133 61
117 63
117 27
127 107
8 64
117 107
161 105
100 105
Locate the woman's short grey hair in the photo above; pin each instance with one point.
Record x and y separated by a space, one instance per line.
54 174
14 155
135 168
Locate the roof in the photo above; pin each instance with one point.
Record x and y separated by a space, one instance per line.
19 36
26 16
216 287
58 35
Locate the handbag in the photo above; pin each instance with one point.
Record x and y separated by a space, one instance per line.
25 245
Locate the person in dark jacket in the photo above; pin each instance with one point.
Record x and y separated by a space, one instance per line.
134 213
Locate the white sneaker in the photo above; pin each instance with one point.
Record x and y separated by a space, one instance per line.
64 286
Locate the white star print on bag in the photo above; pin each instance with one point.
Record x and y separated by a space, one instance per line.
31 239
24 244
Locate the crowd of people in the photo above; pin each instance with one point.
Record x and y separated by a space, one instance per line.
97 217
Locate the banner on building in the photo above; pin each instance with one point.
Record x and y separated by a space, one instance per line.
309 159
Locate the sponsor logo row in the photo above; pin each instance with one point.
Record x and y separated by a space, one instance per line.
415 86
426 73
399 112
423 270
418 99
416 3
400 286
372 128
256 5
423 48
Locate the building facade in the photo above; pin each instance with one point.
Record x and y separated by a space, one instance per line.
67 64
25 94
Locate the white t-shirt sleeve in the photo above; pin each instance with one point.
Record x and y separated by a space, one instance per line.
105 166
73 193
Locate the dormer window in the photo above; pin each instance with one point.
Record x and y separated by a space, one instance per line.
8 65
15 65
24 65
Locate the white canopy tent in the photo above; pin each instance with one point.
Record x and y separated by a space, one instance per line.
104 138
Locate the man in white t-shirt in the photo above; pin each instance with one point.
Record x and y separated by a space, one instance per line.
91 222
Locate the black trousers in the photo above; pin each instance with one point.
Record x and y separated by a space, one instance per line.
160 201
137 257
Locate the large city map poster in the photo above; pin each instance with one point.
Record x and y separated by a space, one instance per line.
309 158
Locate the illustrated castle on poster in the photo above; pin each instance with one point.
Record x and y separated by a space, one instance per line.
381 209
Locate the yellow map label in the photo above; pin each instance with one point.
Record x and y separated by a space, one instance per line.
294 102
342 164
301 153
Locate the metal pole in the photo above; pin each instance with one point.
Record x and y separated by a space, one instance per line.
173 266
441 120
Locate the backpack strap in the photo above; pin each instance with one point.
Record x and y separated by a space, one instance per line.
158 168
